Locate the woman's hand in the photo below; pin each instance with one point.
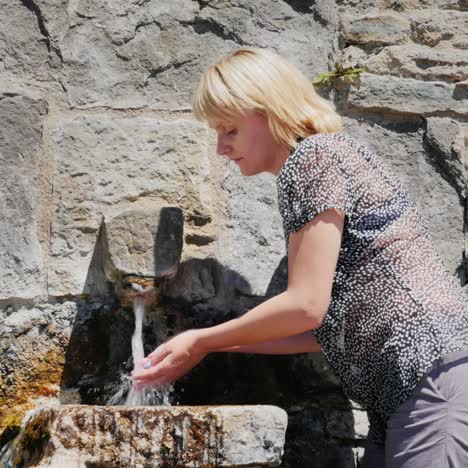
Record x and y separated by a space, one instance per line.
169 361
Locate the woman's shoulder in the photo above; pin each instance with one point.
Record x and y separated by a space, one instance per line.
312 151
337 141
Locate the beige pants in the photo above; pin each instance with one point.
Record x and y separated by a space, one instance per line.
430 429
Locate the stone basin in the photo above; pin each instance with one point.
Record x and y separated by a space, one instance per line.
75 436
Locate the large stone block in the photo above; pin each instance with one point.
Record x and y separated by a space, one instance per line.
247 256
144 243
33 347
375 29
79 436
434 27
420 61
459 5
132 54
135 54
407 96
445 139
287 27
21 258
106 165
252 241
24 42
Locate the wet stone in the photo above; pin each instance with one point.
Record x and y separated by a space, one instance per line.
79 436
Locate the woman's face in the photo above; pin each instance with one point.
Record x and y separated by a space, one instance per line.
248 142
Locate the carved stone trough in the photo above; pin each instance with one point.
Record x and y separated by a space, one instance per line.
79 436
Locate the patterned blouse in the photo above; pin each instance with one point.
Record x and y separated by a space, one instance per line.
395 309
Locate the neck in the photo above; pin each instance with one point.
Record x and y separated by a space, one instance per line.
280 158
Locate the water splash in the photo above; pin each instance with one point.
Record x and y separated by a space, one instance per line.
6 454
126 394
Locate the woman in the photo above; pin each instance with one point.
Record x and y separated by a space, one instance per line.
365 284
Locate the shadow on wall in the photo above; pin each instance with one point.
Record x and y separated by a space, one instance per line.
204 293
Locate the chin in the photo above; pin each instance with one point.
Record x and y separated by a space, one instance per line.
249 173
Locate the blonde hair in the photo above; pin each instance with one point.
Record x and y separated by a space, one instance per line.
262 81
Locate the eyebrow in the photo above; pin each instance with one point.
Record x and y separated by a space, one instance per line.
224 125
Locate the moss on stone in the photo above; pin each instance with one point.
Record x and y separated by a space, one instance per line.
40 379
32 442
11 424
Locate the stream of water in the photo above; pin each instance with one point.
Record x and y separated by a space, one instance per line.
126 394
6 455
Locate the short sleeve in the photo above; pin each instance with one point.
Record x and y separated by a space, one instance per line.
313 179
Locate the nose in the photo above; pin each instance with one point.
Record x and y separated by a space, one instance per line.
223 148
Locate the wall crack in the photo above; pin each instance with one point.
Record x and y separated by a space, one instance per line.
36 11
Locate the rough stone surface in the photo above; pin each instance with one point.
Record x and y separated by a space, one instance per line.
120 67
374 30
445 139
21 258
108 59
408 96
145 243
23 41
440 28
33 346
79 436
420 61
253 221
107 165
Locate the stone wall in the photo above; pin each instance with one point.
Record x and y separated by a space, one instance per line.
95 121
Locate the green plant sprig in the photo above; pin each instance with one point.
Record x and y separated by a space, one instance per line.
348 73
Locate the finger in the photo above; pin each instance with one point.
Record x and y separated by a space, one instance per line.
143 363
157 355
139 364
156 383
142 375
154 358
169 375
140 386
154 373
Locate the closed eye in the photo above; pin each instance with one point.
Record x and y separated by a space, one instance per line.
232 132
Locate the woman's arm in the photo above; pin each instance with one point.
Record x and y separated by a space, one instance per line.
313 255
296 344
312 259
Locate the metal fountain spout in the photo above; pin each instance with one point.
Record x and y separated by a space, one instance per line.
142 250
